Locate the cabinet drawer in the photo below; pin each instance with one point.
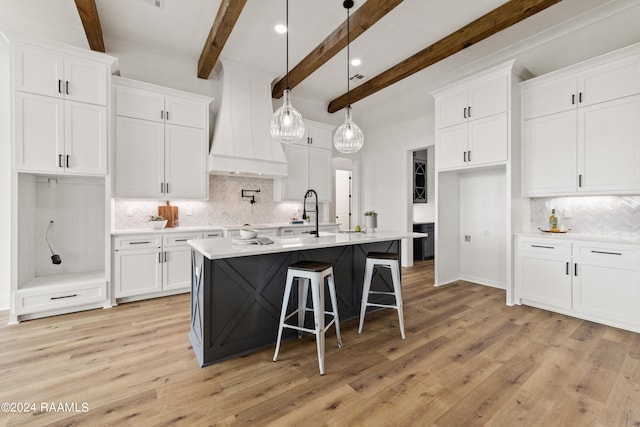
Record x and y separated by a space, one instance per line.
179 239
607 254
137 242
38 300
214 234
545 246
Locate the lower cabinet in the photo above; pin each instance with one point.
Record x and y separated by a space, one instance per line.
152 265
598 281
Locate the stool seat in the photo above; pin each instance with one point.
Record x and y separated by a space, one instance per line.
390 262
314 266
310 274
383 255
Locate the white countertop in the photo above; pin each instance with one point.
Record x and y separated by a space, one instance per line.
148 230
225 248
583 237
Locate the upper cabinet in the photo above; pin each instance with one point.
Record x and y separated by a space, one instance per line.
161 142
472 119
61 117
580 128
309 165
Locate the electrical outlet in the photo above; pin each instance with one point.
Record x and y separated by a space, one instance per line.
189 211
567 212
129 211
467 238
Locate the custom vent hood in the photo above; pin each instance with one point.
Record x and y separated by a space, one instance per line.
241 140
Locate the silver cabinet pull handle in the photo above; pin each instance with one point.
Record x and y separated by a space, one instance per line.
606 253
64 296
543 247
139 243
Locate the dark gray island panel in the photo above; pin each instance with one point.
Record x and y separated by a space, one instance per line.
235 302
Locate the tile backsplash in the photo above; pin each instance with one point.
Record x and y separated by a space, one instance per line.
611 216
224 207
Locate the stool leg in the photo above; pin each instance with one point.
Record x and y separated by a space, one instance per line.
334 307
303 288
283 312
366 286
318 317
397 290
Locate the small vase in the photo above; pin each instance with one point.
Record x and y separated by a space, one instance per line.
371 222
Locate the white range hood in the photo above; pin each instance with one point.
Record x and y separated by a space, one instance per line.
241 139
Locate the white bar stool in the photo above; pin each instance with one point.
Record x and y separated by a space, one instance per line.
310 273
386 260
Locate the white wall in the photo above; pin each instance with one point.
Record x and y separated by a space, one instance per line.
5 177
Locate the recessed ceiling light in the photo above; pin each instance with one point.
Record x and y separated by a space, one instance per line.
281 29
355 62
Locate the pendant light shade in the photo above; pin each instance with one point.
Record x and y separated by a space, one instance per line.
287 125
348 138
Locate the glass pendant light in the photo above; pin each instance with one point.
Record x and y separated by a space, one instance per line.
348 138
287 125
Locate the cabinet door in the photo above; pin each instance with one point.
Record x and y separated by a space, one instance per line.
543 272
85 138
185 163
139 158
39 132
320 173
549 154
296 183
137 272
318 135
610 81
487 140
180 111
607 282
609 146
451 147
487 98
549 97
38 71
139 104
85 80
176 268
451 108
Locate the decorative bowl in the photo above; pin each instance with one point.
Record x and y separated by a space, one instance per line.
158 225
248 233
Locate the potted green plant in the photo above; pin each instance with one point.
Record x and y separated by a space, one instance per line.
157 222
371 220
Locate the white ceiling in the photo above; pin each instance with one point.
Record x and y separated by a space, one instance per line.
567 32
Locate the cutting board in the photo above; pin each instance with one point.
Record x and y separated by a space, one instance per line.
170 213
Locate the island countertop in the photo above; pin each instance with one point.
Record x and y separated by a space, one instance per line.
225 248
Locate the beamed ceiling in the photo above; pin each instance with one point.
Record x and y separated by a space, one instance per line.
416 34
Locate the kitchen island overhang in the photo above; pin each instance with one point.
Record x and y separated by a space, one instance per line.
236 290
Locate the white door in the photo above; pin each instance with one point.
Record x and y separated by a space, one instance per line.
38 71
451 109
176 268
85 138
488 140
137 272
487 98
139 104
343 199
139 158
85 80
185 162
179 111
545 280
451 147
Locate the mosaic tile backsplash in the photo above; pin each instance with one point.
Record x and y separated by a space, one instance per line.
224 207
610 216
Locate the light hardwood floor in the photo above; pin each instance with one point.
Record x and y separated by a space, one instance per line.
468 360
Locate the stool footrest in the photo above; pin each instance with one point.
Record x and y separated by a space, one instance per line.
382 293
373 304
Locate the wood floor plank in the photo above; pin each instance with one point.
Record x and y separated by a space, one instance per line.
468 360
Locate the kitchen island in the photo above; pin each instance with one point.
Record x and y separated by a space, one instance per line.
237 289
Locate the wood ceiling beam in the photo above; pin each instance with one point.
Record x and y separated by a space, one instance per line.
91 23
361 20
228 13
497 20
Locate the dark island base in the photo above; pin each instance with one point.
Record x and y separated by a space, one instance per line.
235 302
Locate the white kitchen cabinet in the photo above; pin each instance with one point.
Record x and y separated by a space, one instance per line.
57 74
152 264
543 272
594 280
482 98
161 142
580 128
60 111
309 166
267 232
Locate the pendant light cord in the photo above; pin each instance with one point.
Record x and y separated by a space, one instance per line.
348 58
287 59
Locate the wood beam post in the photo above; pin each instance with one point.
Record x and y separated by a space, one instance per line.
91 22
497 20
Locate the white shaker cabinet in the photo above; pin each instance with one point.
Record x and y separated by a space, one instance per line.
472 123
162 141
309 165
60 111
580 128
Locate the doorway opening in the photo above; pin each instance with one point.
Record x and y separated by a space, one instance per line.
343 198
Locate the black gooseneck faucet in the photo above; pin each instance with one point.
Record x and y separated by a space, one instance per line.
304 208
